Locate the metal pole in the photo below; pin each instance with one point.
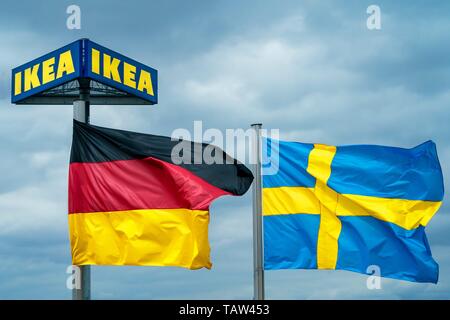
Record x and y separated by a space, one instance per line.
258 268
81 113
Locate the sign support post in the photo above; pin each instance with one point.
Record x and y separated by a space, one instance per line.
81 112
258 269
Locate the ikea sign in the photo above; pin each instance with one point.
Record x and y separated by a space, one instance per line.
46 72
118 71
84 59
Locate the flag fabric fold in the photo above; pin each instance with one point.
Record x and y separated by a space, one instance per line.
132 201
351 208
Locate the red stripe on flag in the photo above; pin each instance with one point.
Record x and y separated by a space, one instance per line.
136 184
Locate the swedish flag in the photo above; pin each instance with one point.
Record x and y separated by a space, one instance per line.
351 207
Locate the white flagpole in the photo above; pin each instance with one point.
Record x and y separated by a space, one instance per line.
81 113
258 268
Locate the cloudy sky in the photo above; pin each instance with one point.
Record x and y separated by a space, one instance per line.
310 68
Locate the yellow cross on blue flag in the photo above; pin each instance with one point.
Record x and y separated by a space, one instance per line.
350 208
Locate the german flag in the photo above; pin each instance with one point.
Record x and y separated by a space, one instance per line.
140 199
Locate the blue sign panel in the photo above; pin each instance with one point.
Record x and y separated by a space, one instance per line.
120 72
46 72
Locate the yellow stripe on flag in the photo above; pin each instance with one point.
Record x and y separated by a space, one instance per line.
408 214
289 200
319 166
319 162
154 237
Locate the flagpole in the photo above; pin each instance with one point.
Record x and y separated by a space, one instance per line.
81 112
258 269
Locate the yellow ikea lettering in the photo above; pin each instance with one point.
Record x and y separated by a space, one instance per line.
129 75
95 61
18 83
120 71
65 64
145 82
48 72
31 78
43 73
111 68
